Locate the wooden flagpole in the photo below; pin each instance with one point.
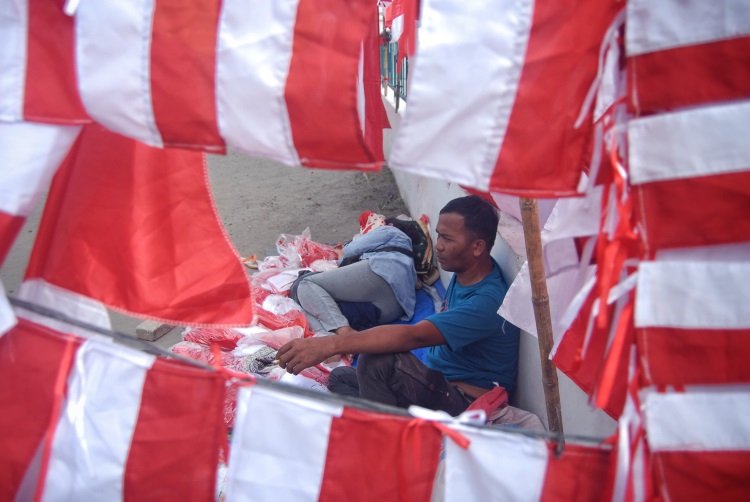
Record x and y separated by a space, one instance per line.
533 237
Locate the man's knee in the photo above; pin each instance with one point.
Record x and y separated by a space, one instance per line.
375 366
343 380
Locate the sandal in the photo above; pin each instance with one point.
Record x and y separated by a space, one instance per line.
251 262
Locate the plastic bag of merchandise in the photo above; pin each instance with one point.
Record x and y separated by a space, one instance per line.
310 251
226 338
280 305
275 338
204 354
279 321
324 265
296 251
274 282
194 351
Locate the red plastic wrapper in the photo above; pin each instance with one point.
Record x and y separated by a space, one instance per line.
226 338
202 353
311 251
276 321
232 390
297 251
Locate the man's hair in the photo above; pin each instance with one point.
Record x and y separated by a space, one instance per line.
480 217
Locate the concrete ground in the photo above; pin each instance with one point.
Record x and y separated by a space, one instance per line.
258 200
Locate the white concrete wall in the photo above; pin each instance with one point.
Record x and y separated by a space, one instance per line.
428 196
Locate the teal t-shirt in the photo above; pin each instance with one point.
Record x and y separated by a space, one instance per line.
481 347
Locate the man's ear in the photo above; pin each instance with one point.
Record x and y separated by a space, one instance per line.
479 247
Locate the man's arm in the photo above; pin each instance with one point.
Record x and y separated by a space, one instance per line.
302 353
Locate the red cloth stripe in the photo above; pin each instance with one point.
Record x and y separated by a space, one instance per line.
174 452
702 475
578 473
673 356
375 457
183 66
543 154
689 76
10 225
135 228
30 358
326 51
51 92
694 211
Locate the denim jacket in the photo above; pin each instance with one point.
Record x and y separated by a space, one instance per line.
395 268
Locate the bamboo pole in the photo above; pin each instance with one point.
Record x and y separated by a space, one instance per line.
533 237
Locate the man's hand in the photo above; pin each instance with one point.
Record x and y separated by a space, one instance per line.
301 353
339 250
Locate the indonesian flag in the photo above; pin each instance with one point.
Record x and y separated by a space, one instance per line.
372 108
29 155
498 97
401 16
37 69
699 443
272 79
103 422
288 447
135 228
692 318
689 69
505 466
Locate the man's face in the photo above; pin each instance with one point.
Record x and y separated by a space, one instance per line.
454 243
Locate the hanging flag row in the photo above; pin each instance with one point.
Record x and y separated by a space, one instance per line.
167 438
286 81
646 271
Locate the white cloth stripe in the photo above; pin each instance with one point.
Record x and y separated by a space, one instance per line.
693 295
507 466
113 61
271 446
13 27
654 25
92 441
254 52
689 143
452 130
29 156
697 421
72 304
7 317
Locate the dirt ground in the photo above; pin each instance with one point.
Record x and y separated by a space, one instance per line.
258 200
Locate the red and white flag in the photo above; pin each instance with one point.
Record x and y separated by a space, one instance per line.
497 91
699 443
401 17
505 466
691 316
29 155
276 80
329 451
34 366
37 69
689 70
125 426
135 228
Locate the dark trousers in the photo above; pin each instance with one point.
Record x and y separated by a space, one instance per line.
398 380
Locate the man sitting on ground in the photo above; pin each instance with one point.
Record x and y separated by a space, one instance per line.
473 348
